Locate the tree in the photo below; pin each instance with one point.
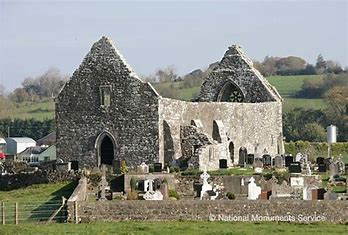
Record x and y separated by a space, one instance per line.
333 67
166 75
2 90
269 64
290 65
320 64
313 132
19 95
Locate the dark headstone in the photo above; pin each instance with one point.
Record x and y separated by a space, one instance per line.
158 167
267 160
223 164
75 165
346 169
116 164
320 160
327 162
295 167
265 194
318 194
322 167
250 159
288 159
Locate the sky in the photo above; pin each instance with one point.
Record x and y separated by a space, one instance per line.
38 35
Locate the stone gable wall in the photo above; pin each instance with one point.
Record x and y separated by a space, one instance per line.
132 118
238 69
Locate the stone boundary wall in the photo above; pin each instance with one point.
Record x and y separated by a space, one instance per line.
192 210
21 180
79 195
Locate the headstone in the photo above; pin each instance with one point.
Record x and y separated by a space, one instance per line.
304 160
322 167
153 196
206 186
318 194
146 185
341 166
158 167
143 168
327 162
258 163
265 194
254 191
295 167
250 159
309 171
298 157
288 159
329 195
103 184
267 160
75 165
223 163
333 169
116 164
296 182
278 162
346 170
320 160
164 190
307 193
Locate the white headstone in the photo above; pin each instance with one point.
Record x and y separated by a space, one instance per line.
254 191
296 182
206 186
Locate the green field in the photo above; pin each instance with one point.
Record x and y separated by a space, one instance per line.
287 86
36 202
39 111
186 227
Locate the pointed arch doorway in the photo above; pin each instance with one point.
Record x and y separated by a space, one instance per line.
106 149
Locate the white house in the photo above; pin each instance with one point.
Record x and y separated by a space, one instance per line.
35 155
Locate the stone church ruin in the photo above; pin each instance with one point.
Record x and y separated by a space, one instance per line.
105 114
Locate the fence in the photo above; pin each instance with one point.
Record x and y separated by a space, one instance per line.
34 211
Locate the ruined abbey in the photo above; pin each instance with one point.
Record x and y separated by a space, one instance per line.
106 114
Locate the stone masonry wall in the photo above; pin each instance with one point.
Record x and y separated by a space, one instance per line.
296 211
131 119
246 124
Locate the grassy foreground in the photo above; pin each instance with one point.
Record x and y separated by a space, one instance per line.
172 228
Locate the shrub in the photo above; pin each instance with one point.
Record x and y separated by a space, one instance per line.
124 168
173 193
133 183
174 169
94 178
132 195
230 196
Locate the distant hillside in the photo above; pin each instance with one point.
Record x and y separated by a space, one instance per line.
287 86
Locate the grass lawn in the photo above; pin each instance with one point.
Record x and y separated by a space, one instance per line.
187 228
36 202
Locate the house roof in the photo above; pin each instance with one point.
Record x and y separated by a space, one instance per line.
34 150
47 140
21 139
